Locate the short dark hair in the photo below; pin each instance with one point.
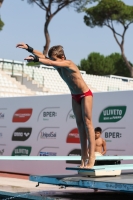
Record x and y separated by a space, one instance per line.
57 51
98 129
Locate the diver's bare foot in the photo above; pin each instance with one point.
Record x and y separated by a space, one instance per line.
90 163
83 162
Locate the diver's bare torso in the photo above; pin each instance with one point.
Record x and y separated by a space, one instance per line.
99 145
72 77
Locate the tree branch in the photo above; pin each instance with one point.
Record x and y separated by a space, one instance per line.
108 25
39 5
129 24
42 2
62 5
116 39
49 7
114 30
123 35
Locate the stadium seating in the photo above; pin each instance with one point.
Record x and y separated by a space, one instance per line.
9 87
49 78
104 84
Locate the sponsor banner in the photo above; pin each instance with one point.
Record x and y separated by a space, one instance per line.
70 116
22 115
73 136
2 144
22 151
113 133
47 114
116 151
21 134
2 152
48 151
114 137
74 152
54 130
2 115
42 153
1 135
112 114
48 133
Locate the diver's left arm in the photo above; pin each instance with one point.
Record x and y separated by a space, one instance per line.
60 64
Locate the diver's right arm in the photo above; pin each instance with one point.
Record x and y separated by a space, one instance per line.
30 49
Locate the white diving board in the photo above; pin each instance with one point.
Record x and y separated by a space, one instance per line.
102 170
61 158
103 167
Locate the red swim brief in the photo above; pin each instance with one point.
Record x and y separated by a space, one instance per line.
78 97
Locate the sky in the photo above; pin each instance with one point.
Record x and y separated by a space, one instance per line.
25 23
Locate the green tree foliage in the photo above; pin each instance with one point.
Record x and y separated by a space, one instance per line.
108 13
119 65
33 64
98 64
1 24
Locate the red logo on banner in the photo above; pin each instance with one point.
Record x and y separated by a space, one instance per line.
73 136
22 115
